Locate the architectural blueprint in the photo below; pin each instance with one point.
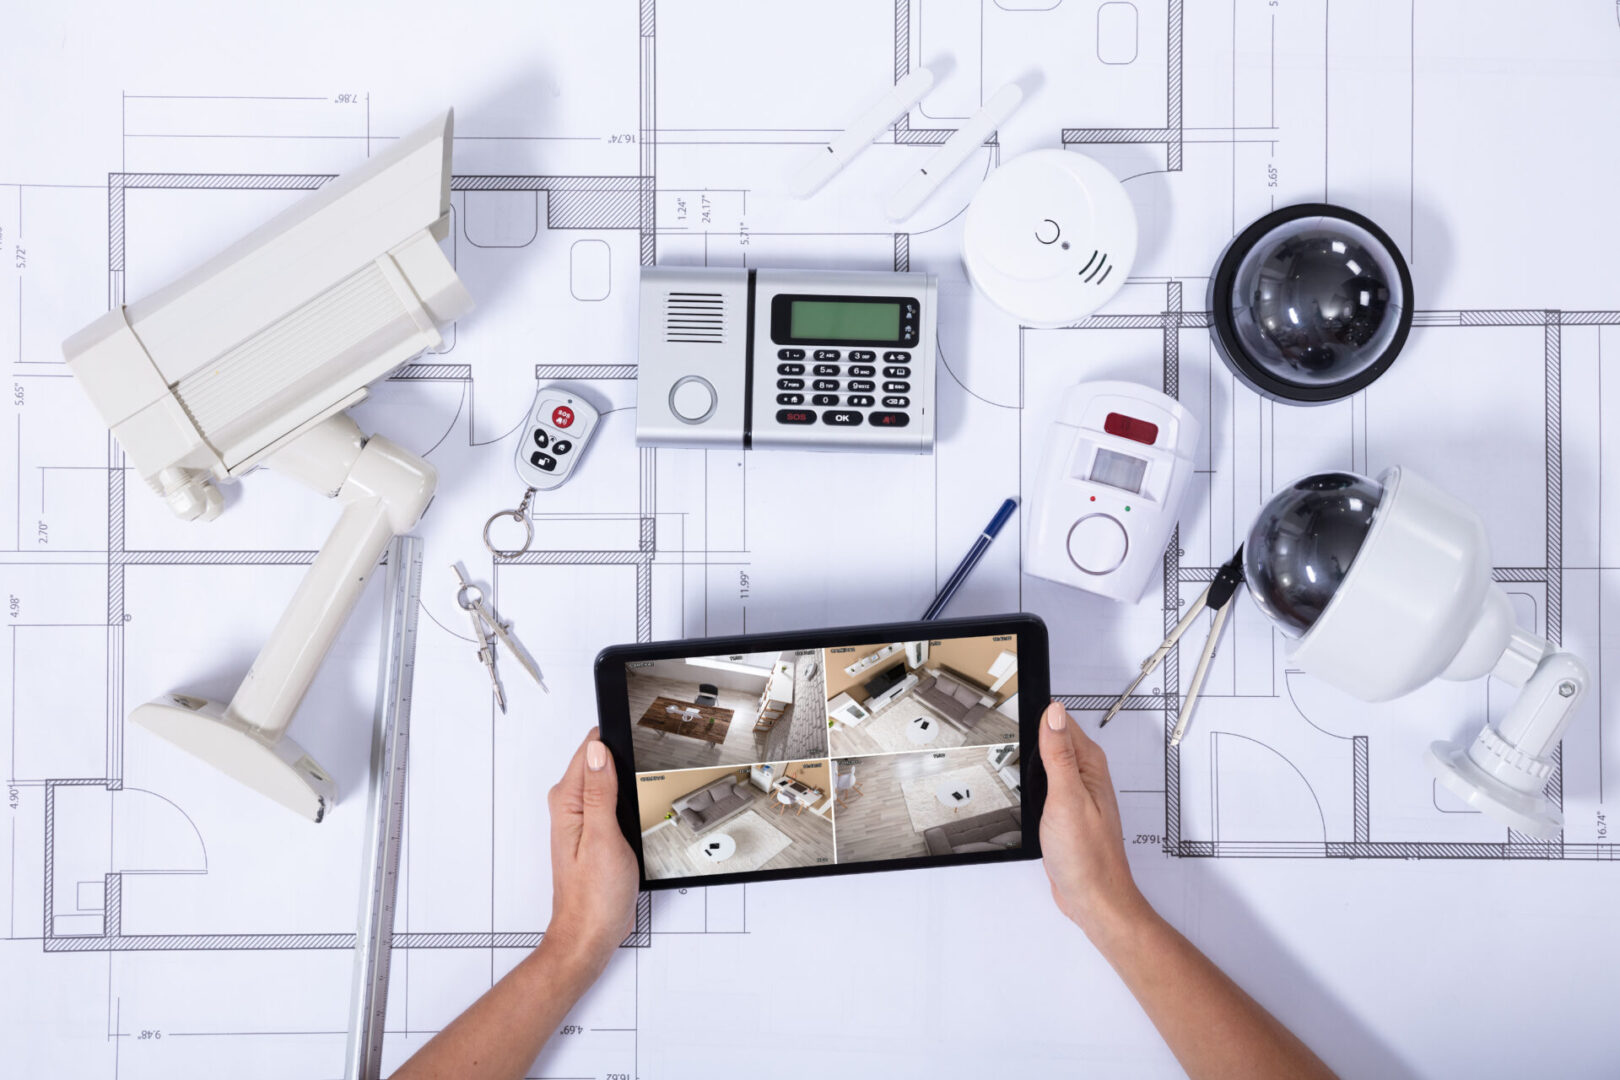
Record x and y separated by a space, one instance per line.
160 920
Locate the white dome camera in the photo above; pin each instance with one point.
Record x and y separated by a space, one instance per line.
1386 584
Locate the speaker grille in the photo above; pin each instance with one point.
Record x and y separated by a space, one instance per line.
695 316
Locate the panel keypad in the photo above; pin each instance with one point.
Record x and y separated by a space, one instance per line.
844 386
790 359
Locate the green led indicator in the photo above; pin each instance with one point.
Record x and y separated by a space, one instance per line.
1127 509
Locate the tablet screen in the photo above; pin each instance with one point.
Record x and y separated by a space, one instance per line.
765 761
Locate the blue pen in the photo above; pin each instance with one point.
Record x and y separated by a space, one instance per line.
970 560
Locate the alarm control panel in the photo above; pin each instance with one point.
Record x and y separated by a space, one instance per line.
786 359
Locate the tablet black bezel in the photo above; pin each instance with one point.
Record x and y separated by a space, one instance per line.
613 711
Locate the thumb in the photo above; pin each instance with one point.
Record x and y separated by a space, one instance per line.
601 795
1057 750
1089 755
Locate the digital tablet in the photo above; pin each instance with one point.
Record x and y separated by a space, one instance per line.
828 751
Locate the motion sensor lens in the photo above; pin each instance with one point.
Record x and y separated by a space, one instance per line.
1310 304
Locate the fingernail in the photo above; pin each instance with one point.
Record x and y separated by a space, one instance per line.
1056 718
595 755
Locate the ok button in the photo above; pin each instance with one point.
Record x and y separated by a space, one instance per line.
841 418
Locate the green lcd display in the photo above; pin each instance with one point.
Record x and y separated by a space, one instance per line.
837 320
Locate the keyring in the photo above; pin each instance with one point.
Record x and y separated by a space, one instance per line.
520 514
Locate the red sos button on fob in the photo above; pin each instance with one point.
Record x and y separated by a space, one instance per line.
562 416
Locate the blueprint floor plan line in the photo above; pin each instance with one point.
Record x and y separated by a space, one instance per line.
593 143
1549 577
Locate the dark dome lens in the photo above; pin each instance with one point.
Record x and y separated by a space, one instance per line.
1316 300
1311 303
1303 543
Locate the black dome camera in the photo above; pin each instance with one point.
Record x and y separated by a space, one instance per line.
1310 304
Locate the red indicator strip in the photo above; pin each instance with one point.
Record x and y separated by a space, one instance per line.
1128 427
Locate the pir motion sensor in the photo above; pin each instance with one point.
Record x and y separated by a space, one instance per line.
254 357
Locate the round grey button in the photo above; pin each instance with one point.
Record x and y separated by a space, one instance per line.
1097 544
692 399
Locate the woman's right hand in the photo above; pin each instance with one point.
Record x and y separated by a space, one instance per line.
1082 841
1210 1024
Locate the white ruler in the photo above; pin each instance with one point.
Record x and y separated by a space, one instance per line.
390 736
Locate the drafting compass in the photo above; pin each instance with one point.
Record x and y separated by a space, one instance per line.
1217 598
488 629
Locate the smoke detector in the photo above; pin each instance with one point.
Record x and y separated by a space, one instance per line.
1049 238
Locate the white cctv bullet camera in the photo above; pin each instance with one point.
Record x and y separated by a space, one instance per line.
252 359
1386 584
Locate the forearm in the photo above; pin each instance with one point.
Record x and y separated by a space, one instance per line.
504 1031
1213 1027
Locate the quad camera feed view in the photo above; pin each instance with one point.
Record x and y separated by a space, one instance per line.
764 761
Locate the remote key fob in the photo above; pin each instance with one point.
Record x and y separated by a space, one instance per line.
560 426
